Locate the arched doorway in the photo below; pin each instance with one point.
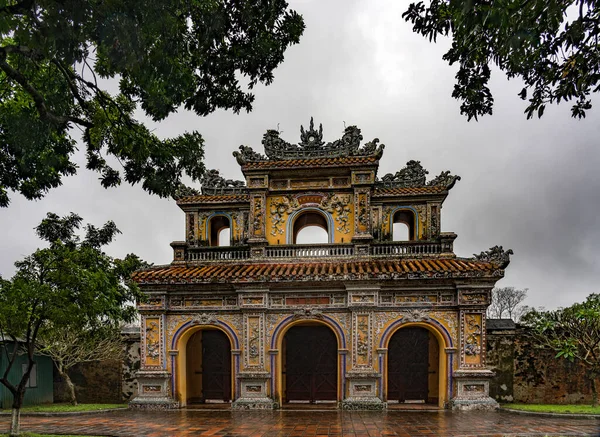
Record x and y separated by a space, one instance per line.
413 369
310 228
219 231
310 364
208 365
404 226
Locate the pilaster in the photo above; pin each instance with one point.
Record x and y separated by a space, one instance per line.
472 377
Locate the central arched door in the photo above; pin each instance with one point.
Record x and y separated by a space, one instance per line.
209 366
413 366
310 368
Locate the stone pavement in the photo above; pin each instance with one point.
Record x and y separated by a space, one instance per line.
307 423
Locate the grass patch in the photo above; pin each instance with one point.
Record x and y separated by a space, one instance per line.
66 408
549 408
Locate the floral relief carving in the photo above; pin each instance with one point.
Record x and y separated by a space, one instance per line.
257 223
204 319
308 313
472 335
280 208
254 342
362 213
340 205
362 340
191 229
152 340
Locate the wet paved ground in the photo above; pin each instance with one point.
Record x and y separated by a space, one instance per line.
307 423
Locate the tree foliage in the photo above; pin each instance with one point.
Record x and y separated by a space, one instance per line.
555 53
71 284
506 303
573 333
165 54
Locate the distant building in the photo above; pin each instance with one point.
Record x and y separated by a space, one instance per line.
245 313
40 384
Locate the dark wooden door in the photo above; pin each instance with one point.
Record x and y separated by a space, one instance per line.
216 366
408 365
310 364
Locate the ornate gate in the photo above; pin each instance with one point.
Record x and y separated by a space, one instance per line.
310 364
408 365
216 366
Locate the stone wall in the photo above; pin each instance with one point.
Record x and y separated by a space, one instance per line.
104 381
130 364
96 382
526 374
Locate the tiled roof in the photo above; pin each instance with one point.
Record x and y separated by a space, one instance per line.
430 268
213 198
302 163
409 191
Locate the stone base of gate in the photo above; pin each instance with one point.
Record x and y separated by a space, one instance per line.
373 404
473 391
153 391
253 392
362 392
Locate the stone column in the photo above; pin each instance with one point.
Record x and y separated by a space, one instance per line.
153 378
362 378
253 378
472 377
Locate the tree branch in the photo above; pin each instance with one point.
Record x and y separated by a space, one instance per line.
37 97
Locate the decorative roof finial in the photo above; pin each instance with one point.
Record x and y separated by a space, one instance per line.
311 145
496 255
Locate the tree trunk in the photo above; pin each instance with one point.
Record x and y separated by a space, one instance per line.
15 422
70 386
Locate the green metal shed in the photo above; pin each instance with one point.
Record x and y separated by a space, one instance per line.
40 387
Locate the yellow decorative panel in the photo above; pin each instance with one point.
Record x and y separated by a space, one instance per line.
472 337
337 206
152 339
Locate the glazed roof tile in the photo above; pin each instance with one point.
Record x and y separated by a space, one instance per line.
302 163
408 191
248 272
241 197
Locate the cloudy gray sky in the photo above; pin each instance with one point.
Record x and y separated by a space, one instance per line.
527 185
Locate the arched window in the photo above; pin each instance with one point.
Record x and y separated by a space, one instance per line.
219 231
310 228
403 227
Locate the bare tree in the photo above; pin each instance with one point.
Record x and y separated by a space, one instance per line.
68 347
506 303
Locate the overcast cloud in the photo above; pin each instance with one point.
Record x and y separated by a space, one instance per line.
527 185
